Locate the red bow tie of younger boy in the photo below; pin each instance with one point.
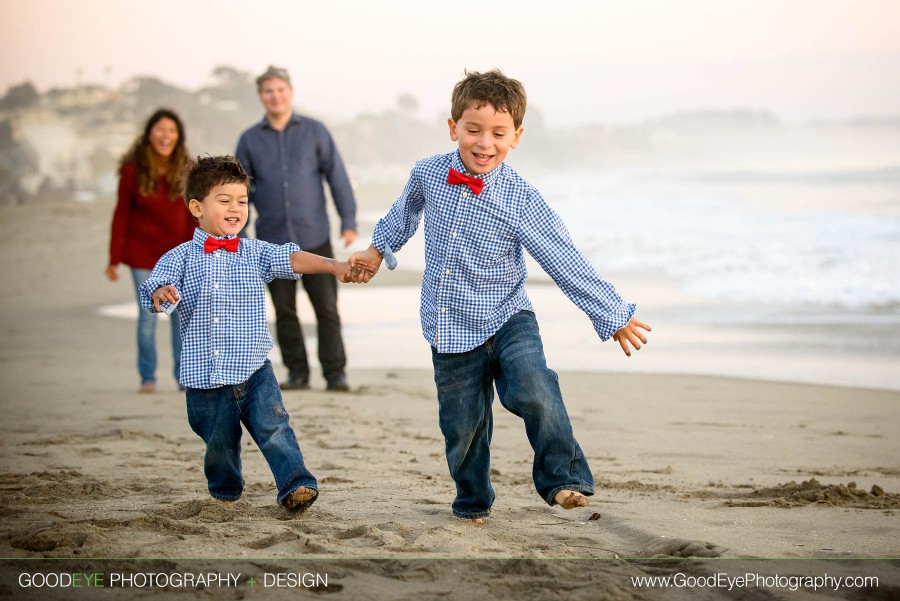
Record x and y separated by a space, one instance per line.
475 184
211 244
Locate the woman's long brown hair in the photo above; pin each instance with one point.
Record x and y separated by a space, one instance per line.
140 154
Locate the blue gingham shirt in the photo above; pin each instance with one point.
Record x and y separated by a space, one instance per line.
475 272
224 335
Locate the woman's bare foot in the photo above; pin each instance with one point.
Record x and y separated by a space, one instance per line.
570 499
300 498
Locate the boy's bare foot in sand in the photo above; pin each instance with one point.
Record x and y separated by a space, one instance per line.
476 521
570 499
300 498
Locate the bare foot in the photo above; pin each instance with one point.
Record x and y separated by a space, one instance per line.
300 498
570 499
226 503
477 521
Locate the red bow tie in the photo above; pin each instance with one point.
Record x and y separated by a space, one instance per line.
211 244
475 184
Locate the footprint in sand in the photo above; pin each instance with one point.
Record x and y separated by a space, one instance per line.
273 539
368 536
57 536
679 547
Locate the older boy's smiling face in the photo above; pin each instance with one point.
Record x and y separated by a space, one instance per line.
224 210
485 137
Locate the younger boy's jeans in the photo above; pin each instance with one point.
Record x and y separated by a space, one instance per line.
513 360
216 414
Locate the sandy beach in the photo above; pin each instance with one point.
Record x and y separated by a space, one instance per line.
686 465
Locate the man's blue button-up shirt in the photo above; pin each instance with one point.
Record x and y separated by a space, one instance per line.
287 169
474 265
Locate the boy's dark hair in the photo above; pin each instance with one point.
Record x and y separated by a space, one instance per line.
204 173
478 89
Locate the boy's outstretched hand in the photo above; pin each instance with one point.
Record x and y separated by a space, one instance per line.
163 294
364 264
631 334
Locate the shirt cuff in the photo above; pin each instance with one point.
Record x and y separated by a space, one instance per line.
281 262
146 294
380 243
615 321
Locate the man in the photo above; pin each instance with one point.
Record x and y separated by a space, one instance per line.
287 156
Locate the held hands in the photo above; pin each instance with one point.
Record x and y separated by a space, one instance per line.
163 294
365 264
356 275
630 333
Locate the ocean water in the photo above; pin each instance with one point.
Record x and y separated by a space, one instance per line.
828 243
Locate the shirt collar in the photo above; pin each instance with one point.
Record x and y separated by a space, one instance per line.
200 237
489 177
264 124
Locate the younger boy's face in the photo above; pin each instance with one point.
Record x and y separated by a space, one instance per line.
485 136
224 210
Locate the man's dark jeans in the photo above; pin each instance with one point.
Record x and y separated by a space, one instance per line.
322 291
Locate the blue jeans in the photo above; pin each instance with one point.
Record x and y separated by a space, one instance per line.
513 361
146 335
216 414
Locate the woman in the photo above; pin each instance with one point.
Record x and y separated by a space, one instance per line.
150 219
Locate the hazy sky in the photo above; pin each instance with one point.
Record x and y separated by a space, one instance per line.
594 60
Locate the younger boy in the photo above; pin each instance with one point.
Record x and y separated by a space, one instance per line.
218 282
479 216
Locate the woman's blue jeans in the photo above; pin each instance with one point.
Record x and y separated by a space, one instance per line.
216 415
146 335
513 361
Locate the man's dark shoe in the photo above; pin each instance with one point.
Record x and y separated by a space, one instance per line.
338 383
295 383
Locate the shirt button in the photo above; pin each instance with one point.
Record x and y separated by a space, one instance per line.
215 353
455 234
443 309
464 194
446 272
215 320
216 286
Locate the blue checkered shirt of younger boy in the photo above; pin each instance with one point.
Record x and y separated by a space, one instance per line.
224 334
474 265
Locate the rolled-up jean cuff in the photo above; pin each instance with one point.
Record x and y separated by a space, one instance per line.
582 488
226 497
474 515
312 485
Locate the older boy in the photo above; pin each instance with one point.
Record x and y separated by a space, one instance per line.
218 282
479 216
